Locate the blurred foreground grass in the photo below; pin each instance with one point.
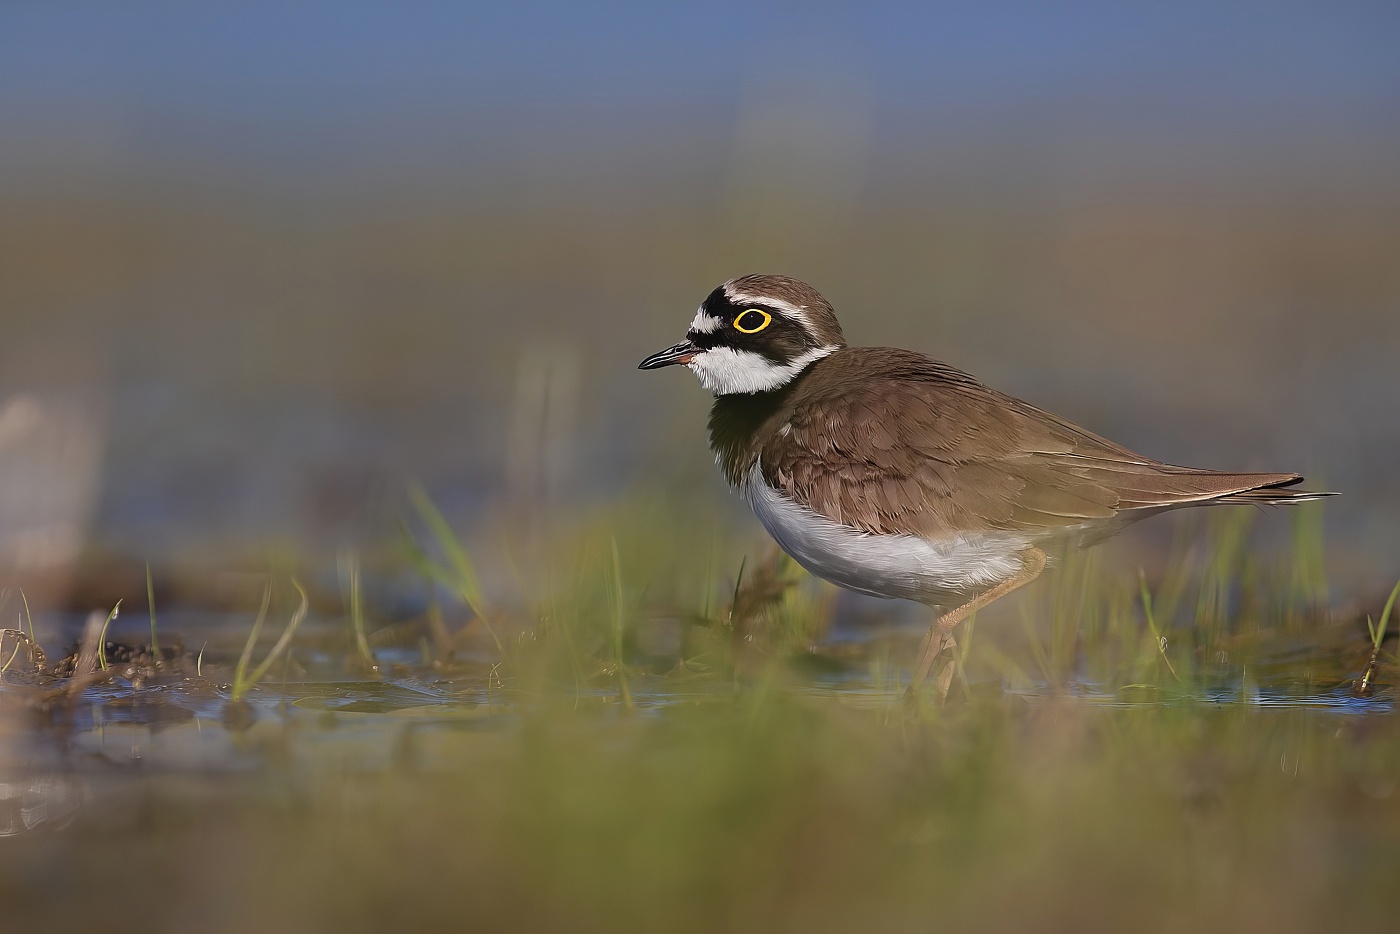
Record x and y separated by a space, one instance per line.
769 810
647 737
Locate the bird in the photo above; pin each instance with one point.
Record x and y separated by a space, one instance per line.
890 473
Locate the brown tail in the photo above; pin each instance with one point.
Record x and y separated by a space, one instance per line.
1271 492
1154 486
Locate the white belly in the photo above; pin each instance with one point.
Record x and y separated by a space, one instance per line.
901 566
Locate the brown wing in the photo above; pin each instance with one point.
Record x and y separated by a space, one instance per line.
896 442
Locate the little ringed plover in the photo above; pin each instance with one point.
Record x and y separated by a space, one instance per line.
892 474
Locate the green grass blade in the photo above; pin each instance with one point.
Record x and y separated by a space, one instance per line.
151 603
351 568
467 582
1378 636
102 638
27 618
240 684
463 579
1158 639
11 659
618 625
285 639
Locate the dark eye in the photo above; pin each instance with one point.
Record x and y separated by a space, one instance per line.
752 320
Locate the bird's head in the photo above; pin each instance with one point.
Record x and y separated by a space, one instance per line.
755 334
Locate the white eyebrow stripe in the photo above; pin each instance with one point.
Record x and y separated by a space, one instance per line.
705 323
788 309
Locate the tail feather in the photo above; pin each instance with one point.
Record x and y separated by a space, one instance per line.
1275 495
1179 486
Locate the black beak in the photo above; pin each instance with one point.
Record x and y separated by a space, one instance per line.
680 353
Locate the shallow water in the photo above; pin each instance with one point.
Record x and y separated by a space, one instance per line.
760 790
183 722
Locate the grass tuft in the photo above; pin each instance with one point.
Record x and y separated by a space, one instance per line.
243 680
459 575
1364 686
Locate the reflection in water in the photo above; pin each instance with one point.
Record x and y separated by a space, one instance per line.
48 802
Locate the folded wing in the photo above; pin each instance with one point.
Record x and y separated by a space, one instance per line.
931 449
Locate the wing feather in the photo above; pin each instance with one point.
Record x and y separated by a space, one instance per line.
894 442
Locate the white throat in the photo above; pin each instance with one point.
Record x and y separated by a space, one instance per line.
725 371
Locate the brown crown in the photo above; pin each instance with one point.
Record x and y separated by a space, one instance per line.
820 319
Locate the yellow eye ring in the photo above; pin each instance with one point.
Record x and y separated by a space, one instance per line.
739 325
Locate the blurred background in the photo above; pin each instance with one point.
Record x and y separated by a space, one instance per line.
264 264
